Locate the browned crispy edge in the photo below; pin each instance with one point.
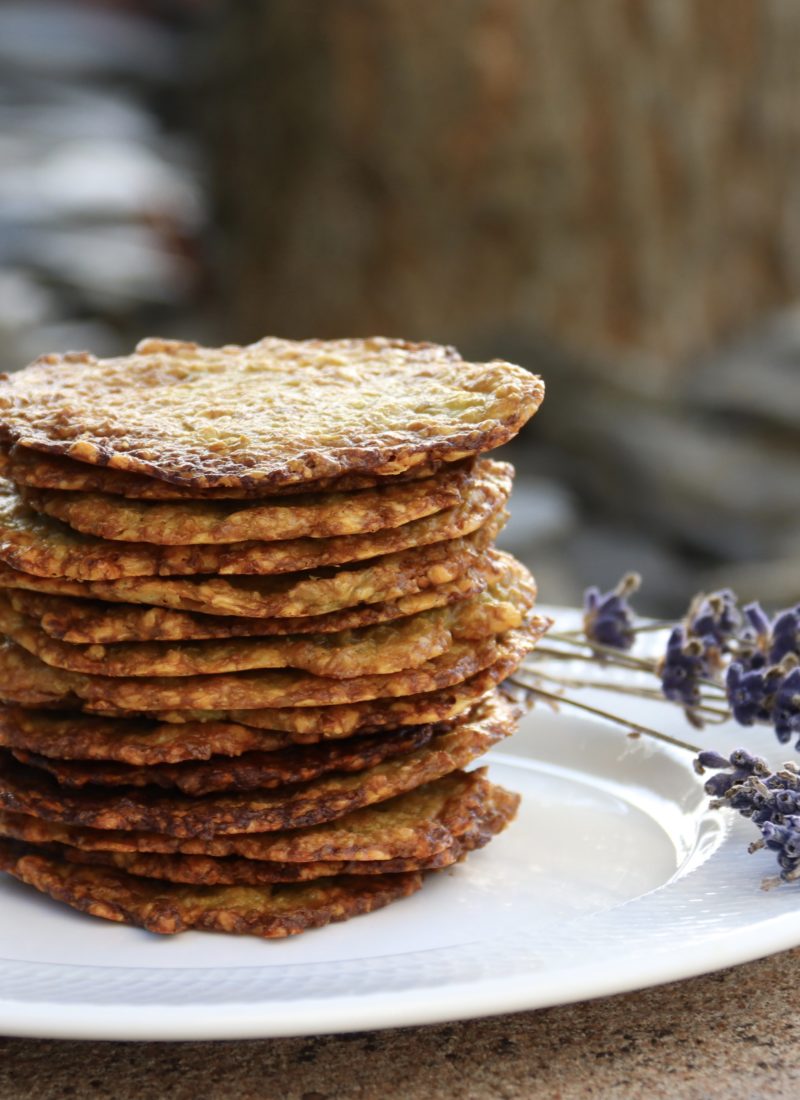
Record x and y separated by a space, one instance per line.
248 772
168 909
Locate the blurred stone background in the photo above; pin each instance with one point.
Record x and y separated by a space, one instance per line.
607 192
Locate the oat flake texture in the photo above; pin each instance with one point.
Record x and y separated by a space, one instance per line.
253 627
274 413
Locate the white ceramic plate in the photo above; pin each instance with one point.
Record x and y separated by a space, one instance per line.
614 876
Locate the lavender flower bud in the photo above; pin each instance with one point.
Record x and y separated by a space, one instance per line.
738 779
607 616
786 707
786 802
757 619
715 618
769 799
709 759
744 761
784 838
681 669
785 635
747 693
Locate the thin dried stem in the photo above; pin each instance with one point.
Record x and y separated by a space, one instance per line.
615 655
600 713
622 689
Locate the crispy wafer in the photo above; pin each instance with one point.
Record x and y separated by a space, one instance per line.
266 688
307 725
275 413
36 544
317 515
384 648
140 741
272 912
90 622
27 791
497 811
207 871
24 680
381 649
50 471
415 825
248 772
390 577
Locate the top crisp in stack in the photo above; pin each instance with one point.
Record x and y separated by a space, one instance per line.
255 626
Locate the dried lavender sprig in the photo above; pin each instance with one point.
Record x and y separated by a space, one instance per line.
636 727
619 660
696 646
572 655
743 783
621 689
767 695
771 800
759 659
645 627
615 656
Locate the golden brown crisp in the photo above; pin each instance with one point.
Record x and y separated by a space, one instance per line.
249 772
265 688
259 690
272 912
24 680
137 741
49 471
315 515
24 790
308 725
294 595
415 825
91 622
380 649
494 816
207 871
276 413
45 547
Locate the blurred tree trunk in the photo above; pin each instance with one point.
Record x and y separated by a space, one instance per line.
613 174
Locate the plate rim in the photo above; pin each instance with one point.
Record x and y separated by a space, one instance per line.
741 941
371 1012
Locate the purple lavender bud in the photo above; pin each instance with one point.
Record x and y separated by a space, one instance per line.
735 771
785 635
758 619
786 802
681 668
709 759
607 616
786 707
784 838
784 780
769 799
744 761
751 801
715 619
773 835
591 598
717 786
747 692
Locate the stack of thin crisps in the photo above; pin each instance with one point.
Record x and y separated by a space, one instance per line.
255 625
